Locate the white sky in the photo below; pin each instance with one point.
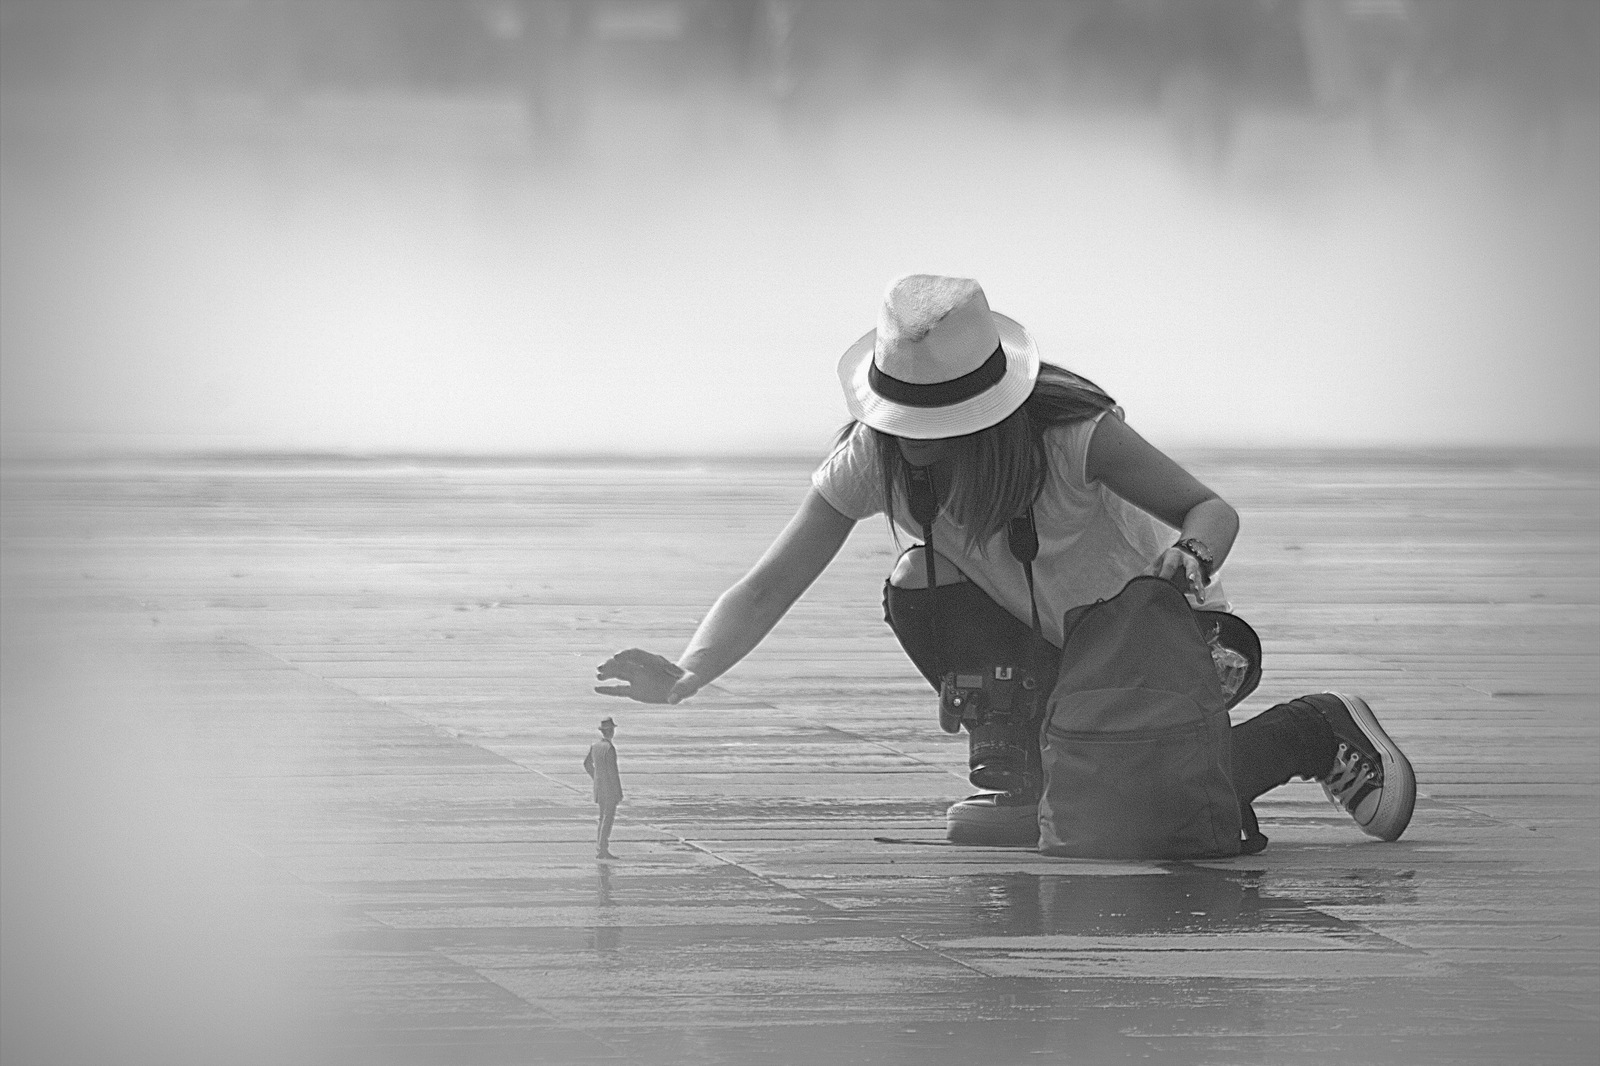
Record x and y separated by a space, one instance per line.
667 301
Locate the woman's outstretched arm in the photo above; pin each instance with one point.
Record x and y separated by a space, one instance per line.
743 616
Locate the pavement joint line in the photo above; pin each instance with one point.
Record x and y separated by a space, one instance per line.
886 746
764 879
945 955
1481 814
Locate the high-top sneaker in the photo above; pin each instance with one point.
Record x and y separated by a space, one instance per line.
1370 778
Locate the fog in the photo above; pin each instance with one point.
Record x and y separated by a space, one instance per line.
137 927
396 267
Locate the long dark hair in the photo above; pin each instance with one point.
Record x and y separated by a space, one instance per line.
995 474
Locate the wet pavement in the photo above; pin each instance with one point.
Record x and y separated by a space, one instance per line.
292 774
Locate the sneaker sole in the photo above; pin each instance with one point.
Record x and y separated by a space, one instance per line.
1018 827
1399 797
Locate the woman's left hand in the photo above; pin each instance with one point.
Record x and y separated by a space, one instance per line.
1182 569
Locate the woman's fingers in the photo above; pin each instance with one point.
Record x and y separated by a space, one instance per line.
631 659
1161 566
644 690
636 662
1170 564
1190 568
1182 569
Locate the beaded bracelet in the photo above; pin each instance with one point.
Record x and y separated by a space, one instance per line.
1201 554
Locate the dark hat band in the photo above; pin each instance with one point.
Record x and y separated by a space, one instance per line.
939 393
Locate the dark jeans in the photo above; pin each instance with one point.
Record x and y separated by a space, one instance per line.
1289 740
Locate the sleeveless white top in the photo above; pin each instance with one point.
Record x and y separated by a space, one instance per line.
1091 541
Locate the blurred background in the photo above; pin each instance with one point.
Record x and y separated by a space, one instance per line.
490 227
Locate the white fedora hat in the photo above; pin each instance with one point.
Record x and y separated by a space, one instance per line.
940 363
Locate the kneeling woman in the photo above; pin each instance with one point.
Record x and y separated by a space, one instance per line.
947 394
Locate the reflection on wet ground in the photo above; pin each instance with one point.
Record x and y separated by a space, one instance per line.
1180 899
603 936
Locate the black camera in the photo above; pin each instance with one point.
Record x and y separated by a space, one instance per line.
1000 707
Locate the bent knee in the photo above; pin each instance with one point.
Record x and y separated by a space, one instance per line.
911 572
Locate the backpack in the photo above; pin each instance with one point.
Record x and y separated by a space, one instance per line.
1135 745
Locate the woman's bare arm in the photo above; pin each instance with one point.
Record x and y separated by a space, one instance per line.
742 616
1146 477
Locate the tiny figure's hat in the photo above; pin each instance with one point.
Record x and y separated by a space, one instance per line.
607 723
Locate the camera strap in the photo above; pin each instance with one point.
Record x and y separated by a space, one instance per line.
923 500
1023 539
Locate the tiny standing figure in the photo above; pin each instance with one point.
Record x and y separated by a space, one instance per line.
601 764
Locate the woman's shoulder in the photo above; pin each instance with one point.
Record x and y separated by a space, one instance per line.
1067 447
852 450
848 477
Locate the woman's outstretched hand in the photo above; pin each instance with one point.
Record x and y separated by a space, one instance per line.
649 678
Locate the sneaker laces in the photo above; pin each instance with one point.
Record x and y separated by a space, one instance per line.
1352 778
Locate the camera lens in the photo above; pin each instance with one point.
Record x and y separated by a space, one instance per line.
1003 757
